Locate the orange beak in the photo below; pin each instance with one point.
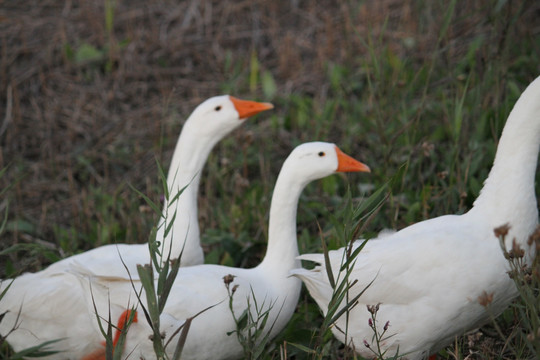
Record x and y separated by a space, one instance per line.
348 164
247 108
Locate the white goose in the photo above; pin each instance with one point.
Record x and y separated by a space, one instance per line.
199 287
210 122
37 293
430 277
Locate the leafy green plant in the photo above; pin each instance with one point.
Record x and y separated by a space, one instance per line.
105 57
37 351
378 335
251 326
157 292
114 344
157 278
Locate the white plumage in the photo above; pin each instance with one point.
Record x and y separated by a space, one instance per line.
50 301
210 122
428 278
202 286
59 303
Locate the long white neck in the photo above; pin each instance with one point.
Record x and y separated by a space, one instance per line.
282 242
508 195
188 160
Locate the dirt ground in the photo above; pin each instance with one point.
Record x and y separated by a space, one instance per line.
92 91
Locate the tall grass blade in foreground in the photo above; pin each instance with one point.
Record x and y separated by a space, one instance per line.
348 224
167 270
251 329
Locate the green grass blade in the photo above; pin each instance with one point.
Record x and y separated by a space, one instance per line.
36 351
163 178
6 288
4 221
447 18
303 348
349 304
146 276
118 353
327 263
107 334
182 339
349 263
168 284
150 203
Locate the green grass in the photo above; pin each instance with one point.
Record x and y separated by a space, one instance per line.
431 103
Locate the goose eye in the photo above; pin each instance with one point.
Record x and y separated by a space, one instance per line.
321 154
217 108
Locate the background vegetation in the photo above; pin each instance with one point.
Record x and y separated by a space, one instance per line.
92 92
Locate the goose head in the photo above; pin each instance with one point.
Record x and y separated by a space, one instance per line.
315 160
219 115
306 163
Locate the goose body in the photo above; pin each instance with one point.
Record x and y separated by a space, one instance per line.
431 277
37 295
197 288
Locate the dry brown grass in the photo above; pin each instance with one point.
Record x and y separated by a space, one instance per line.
69 126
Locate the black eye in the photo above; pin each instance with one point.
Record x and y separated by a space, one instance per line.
321 154
217 108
